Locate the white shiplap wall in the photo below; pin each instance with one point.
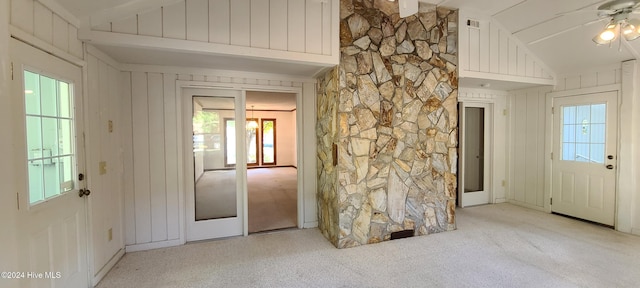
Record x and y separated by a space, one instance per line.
103 102
152 187
491 52
527 118
46 26
293 25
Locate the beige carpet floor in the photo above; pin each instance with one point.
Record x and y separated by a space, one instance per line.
272 197
495 246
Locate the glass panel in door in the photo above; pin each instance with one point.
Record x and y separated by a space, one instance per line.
214 151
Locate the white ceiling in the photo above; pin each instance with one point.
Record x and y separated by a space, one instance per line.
562 40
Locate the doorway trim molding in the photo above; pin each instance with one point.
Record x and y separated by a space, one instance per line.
181 85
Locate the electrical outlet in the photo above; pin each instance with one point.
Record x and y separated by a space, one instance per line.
110 126
103 167
110 234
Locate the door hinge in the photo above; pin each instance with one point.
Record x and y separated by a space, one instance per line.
553 110
18 200
11 70
551 155
550 201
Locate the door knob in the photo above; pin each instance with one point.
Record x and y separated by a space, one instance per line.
84 192
609 166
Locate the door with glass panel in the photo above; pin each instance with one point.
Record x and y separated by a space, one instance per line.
216 166
584 156
475 128
47 97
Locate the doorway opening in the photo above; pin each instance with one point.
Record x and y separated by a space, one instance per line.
269 133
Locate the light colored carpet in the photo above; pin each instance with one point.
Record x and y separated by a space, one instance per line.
272 197
495 246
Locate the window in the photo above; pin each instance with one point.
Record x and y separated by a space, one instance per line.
269 141
50 136
206 131
583 133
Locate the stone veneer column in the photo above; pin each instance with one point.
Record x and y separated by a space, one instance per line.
391 109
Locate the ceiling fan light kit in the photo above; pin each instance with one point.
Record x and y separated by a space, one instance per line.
620 26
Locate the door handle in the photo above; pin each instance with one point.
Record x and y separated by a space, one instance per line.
84 192
609 166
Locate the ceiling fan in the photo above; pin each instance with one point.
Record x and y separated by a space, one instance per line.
619 25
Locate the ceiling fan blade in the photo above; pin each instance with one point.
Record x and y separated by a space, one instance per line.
408 7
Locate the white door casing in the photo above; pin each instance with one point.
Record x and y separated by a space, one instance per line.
584 153
475 196
52 233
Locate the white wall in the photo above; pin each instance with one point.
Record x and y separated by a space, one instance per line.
499 164
152 211
8 220
104 145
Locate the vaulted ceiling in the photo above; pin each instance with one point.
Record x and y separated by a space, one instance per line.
559 32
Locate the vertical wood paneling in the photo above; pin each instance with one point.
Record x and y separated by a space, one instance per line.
485 52
198 20
494 46
606 77
588 80
540 139
278 25
521 61
75 45
513 57
260 23
518 183
150 23
531 146
127 155
313 25
103 204
296 14
240 22
171 156
106 27
572 82
22 14
141 157
93 145
157 157
43 23
116 174
326 26
504 52
474 49
126 26
173 21
530 66
60 33
219 11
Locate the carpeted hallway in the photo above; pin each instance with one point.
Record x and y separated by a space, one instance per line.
495 246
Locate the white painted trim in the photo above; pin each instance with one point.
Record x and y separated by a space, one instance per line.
548 149
205 48
314 224
59 10
463 91
527 205
590 90
103 272
214 72
615 66
25 37
102 56
627 164
506 77
300 155
153 245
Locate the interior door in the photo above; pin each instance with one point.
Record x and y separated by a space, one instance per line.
584 156
474 168
47 98
216 192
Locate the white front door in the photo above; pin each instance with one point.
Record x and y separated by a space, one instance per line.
47 100
215 162
474 158
584 156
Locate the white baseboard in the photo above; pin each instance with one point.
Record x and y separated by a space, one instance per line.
103 272
635 231
500 200
313 224
153 245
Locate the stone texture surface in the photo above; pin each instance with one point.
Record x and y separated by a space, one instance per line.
390 108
